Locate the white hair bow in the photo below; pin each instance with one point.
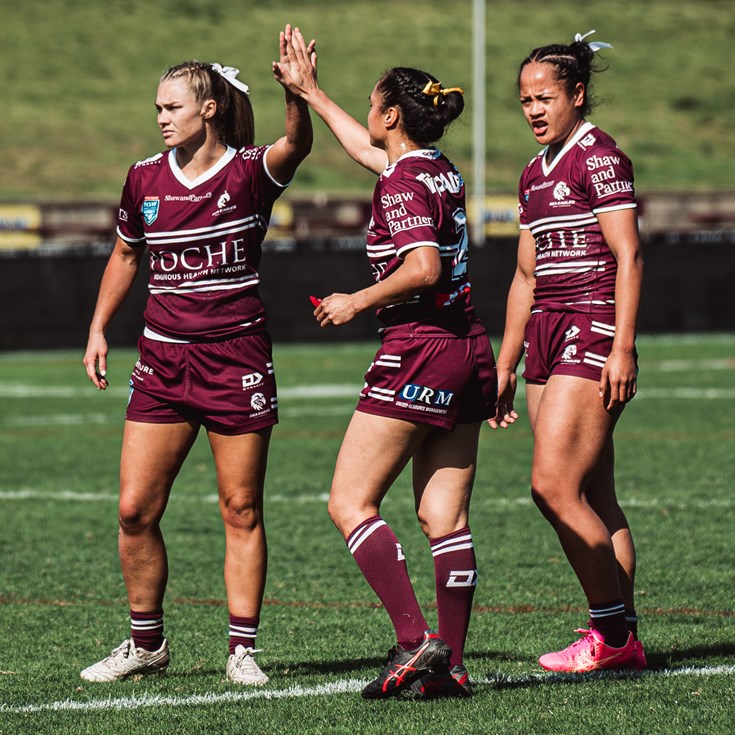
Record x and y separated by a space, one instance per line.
230 73
594 45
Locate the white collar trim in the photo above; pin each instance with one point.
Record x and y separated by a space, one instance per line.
583 130
227 156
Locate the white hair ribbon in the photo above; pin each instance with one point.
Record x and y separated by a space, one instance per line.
594 45
229 73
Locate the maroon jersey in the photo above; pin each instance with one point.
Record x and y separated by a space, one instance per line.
204 238
559 203
420 201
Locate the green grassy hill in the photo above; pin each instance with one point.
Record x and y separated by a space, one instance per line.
79 81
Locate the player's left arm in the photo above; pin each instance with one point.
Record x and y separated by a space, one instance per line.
618 383
421 270
285 155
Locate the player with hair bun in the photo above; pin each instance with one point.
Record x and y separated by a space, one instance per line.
201 209
432 382
572 312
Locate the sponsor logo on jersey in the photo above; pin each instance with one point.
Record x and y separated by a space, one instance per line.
248 154
462 578
571 333
122 215
400 556
450 181
140 367
429 396
187 197
149 210
526 195
595 162
251 380
587 142
147 161
258 402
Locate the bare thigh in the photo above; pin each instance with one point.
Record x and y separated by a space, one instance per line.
444 469
241 465
572 430
152 455
374 451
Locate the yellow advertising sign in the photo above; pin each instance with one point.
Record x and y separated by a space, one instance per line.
501 215
19 226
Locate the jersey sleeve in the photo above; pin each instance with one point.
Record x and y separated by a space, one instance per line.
522 202
264 188
607 178
129 216
409 213
523 195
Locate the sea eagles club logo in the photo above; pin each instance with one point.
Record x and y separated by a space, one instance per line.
561 191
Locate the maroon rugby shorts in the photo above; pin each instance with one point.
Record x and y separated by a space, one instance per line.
228 387
564 343
438 379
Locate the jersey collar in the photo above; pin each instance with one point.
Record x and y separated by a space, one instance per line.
227 156
583 130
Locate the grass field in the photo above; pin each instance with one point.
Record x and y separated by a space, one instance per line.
62 601
80 77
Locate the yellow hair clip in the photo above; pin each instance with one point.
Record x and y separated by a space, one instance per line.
434 89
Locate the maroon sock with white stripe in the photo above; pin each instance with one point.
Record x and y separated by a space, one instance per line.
380 558
243 632
146 629
455 570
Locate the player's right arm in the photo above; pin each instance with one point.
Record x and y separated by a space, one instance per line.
116 283
517 313
301 79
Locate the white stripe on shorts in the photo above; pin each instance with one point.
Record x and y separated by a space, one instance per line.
592 359
601 328
381 394
393 361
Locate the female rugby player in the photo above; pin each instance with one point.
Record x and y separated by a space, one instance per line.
572 311
201 210
432 382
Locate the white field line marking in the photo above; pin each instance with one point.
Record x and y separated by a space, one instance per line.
338 687
672 366
90 497
80 419
25 390
287 412
696 394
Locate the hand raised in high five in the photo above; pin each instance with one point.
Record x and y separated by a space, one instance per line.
296 69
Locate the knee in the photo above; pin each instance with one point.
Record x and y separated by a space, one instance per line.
347 513
425 525
438 522
134 519
241 513
546 499
341 512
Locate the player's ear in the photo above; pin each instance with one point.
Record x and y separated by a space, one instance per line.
391 116
579 94
209 108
